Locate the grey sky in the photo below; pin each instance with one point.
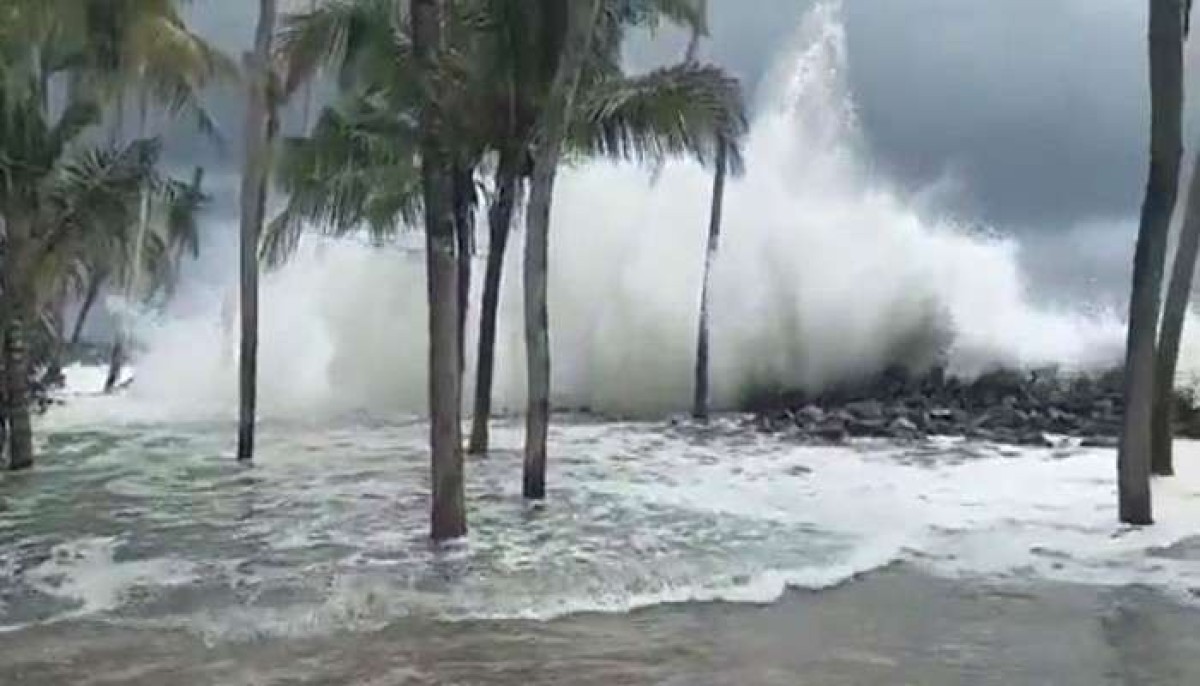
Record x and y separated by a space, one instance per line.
1036 107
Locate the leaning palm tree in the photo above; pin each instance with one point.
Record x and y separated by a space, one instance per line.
1166 145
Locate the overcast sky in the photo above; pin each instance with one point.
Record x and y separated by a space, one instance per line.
1036 107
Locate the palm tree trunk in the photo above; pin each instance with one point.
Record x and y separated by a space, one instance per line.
464 227
16 381
116 360
556 115
499 228
3 417
260 128
95 284
1179 291
448 513
1166 93
700 400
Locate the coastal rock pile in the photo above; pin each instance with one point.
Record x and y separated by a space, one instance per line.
1020 408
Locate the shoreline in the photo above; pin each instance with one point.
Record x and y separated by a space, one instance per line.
897 625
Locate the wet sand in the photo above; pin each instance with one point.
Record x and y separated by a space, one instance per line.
893 627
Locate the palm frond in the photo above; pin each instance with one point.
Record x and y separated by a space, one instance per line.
97 189
357 171
184 202
687 109
340 35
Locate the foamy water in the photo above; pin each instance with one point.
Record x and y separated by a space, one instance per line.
155 526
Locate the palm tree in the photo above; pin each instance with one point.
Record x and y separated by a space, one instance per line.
1179 291
171 233
1174 312
700 398
546 151
1166 144
58 196
358 169
261 124
448 517
666 113
141 49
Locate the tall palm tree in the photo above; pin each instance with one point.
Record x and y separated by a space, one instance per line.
1166 145
700 390
546 151
448 516
665 113
1179 291
358 167
261 125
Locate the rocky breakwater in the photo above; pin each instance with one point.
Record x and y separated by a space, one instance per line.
1037 408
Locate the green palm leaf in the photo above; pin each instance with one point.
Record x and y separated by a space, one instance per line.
686 109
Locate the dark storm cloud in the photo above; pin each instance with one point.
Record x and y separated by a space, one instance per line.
1037 107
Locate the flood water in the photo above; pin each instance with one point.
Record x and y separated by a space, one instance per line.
666 553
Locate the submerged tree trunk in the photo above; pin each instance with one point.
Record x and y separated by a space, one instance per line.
260 128
1179 291
448 513
700 400
116 360
1166 96
3 419
95 284
547 150
16 378
464 229
499 229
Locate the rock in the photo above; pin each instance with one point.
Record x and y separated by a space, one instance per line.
1001 416
868 428
903 428
1062 422
942 413
810 414
981 434
942 428
1100 442
1002 406
1035 439
866 409
832 429
1007 436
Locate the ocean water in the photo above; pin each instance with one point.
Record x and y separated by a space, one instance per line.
155 526
139 552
